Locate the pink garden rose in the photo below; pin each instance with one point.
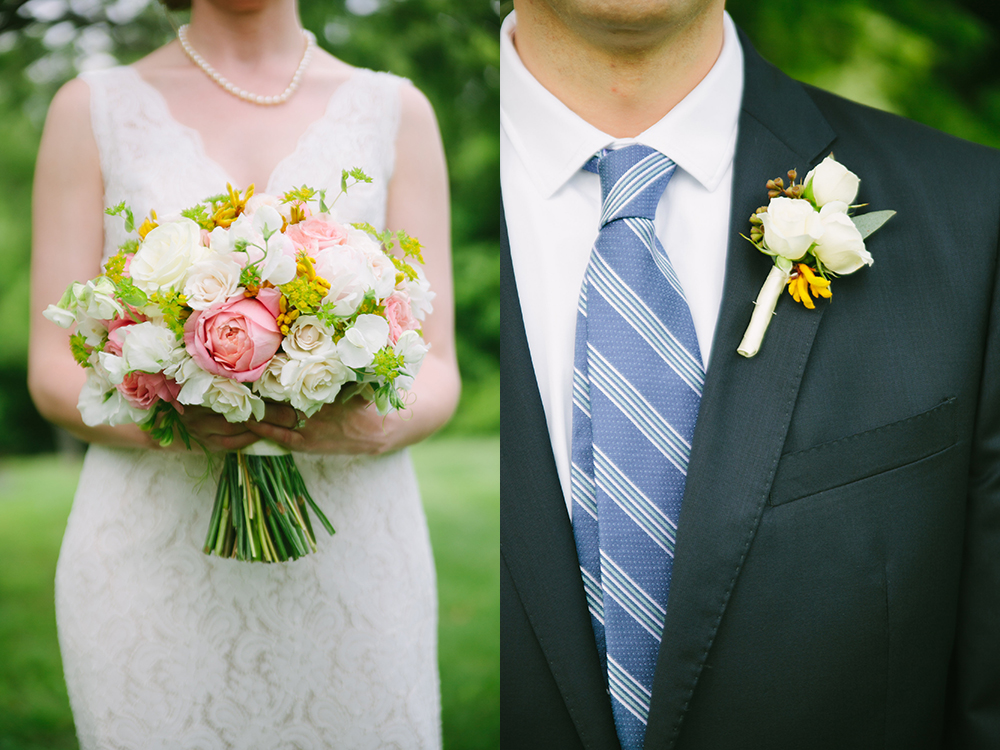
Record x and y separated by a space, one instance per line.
143 389
237 338
316 233
399 314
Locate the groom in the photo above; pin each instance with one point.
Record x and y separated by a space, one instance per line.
829 573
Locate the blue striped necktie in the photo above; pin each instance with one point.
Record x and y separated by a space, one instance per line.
637 383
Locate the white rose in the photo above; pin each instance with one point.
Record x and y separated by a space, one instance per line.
149 347
233 400
358 346
831 181
211 282
791 226
841 249
314 383
268 385
165 256
308 338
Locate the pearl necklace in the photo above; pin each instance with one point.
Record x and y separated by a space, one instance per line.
265 101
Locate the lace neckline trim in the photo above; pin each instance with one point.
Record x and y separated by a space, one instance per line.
194 135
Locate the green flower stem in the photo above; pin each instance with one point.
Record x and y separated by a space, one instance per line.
261 511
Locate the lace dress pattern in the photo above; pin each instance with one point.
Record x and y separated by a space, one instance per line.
165 647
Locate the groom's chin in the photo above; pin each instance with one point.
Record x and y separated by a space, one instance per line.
640 21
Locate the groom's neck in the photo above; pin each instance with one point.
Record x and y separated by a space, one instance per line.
619 68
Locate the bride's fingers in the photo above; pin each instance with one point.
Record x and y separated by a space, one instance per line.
281 415
286 437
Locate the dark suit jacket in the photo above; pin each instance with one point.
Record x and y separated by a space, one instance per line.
837 573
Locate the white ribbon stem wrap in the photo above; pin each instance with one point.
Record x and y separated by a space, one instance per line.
264 448
763 311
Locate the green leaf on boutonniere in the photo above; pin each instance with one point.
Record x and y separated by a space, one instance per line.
868 223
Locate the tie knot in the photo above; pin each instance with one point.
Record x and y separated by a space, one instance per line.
632 181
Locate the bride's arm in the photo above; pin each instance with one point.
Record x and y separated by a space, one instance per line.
419 203
67 245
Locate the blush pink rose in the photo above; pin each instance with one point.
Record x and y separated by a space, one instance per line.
143 389
399 314
316 233
236 339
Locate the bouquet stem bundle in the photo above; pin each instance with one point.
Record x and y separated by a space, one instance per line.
261 510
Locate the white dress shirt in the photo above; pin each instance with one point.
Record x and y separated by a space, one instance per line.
552 207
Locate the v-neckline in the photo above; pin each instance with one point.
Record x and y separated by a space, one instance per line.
199 142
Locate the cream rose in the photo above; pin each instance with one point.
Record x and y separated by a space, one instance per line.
211 282
831 181
841 249
314 383
166 255
308 338
791 227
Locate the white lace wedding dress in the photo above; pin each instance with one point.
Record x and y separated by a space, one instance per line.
165 647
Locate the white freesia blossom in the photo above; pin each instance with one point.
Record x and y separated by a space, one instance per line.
258 200
831 181
421 295
113 367
358 346
273 257
150 348
163 259
93 331
841 249
350 277
268 385
412 349
60 316
233 400
313 383
791 227
101 403
212 282
97 299
220 242
308 338
382 268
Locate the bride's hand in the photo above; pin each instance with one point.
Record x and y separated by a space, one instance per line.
354 426
213 431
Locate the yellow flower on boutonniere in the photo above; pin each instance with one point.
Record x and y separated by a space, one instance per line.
809 231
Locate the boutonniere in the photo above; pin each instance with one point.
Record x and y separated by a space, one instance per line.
809 231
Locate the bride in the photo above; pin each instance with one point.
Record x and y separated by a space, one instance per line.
163 646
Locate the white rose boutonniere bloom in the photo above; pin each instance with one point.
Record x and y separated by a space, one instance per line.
831 181
808 230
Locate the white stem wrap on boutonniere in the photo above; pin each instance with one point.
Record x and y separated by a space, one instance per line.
808 230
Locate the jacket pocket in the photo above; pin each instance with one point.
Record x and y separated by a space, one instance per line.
839 462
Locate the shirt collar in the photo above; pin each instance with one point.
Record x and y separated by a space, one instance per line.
553 142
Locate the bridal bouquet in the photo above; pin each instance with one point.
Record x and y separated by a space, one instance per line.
239 299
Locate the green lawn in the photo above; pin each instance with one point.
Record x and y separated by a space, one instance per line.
460 477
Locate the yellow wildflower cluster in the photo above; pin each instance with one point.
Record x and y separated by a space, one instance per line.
148 225
804 281
286 315
232 205
306 291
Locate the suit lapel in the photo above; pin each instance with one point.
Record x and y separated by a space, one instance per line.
536 536
747 403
